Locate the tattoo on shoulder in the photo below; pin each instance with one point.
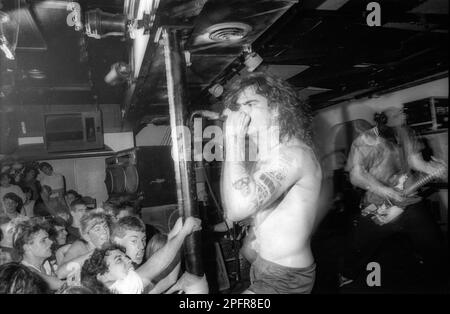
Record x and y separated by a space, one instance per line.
243 185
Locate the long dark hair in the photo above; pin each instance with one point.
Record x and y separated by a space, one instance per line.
295 116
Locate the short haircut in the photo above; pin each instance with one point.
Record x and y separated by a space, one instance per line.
12 196
96 265
56 221
155 243
93 218
51 225
127 223
15 198
111 207
16 278
45 164
25 232
75 203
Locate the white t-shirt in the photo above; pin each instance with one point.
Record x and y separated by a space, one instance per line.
131 284
10 189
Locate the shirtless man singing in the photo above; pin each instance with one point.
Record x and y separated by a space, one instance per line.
279 188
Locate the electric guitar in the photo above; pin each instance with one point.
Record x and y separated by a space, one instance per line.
383 211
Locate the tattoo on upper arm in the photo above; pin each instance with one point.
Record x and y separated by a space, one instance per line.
267 184
266 180
243 185
263 194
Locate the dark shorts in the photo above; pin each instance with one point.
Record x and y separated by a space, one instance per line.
270 278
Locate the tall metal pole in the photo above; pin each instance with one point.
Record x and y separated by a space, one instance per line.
181 141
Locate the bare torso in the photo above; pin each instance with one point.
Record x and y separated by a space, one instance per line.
283 231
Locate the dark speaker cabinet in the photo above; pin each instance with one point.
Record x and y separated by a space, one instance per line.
144 171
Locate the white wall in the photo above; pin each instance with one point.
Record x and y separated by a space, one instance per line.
84 175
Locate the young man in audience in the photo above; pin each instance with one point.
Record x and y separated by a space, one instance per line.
95 232
77 209
5 188
53 206
56 229
33 245
52 179
111 208
58 233
12 205
129 232
110 267
29 181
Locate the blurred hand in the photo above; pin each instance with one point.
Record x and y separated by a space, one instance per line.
237 124
192 224
390 194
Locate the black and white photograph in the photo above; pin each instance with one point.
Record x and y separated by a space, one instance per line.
228 149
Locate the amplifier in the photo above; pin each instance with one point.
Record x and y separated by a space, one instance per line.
147 172
428 114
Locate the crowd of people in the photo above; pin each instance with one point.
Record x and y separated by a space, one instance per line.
63 246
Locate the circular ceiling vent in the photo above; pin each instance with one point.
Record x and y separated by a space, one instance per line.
228 32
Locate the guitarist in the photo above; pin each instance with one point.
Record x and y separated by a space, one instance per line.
378 161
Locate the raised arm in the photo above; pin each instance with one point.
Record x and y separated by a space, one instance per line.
244 193
164 256
167 282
